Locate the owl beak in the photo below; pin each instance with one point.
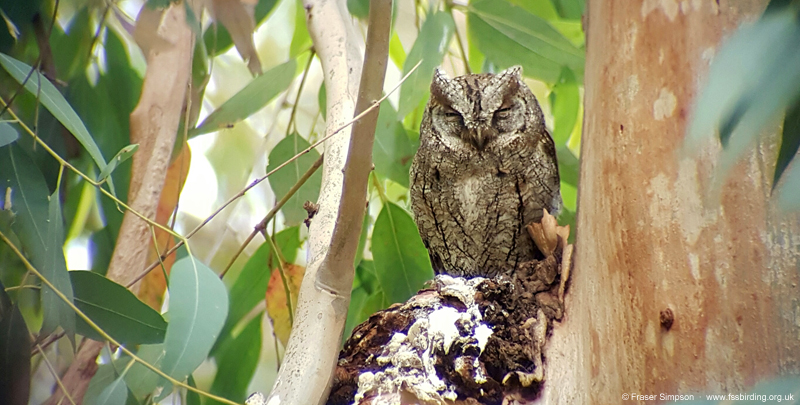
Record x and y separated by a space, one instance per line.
479 138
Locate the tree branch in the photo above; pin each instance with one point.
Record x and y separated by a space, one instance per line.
311 354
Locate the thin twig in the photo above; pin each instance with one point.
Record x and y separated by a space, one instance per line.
240 194
299 92
55 375
284 278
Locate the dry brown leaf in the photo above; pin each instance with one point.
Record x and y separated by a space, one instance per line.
276 300
238 17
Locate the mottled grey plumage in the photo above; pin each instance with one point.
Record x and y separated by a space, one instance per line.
485 168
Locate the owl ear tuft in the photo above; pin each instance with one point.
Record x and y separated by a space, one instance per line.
442 87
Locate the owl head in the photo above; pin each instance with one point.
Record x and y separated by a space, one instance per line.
479 108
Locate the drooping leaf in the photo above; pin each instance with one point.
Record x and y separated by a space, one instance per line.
568 166
114 394
121 156
277 309
790 142
52 99
752 80
396 52
251 285
8 134
105 376
237 363
238 18
284 179
431 45
258 93
198 306
16 354
116 310
392 150
401 259
56 311
565 100
509 35
218 40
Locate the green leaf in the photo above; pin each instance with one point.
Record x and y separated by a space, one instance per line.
401 260
565 100
192 398
218 40
284 179
16 354
568 166
301 40
51 98
236 363
141 380
753 79
508 35
105 376
572 9
375 302
253 97
56 311
251 285
114 394
358 8
790 142
8 134
392 151
198 305
431 44
357 298
116 310
121 156
788 191
396 52
322 100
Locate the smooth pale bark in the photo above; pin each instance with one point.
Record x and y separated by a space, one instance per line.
313 347
154 124
651 237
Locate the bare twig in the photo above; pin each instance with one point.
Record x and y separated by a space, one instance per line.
307 368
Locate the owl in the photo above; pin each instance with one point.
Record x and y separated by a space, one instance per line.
485 168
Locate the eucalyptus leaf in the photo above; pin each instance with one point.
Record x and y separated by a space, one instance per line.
566 103
114 394
198 306
8 134
568 166
141 380
431 45
116 310
401 260
121 156
284 179
15 339
236 363
38 85
509 35
56 311
790 142
392 150
251 285
301 40
253 97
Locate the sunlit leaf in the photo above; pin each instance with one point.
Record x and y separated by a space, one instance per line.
509 35
301 40
198 306
565 100
251 285
116 310
392 150
121 156
396 52
401 260
8 134
284 179
277 309
237 363
431 44
253 97
16 354
114 394
218 40
51 98
790 142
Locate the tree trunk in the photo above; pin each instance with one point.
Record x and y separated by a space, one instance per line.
675 289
